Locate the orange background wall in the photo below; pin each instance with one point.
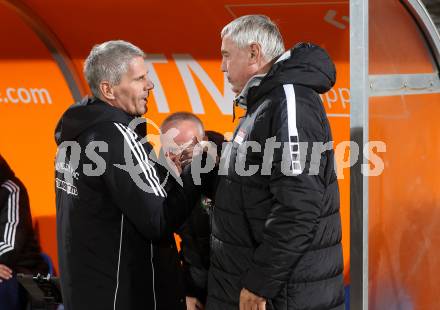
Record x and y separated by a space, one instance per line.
168 33
404 201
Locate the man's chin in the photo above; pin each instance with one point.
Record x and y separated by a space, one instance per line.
143 110
236 91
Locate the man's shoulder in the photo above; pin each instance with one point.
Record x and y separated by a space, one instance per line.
299 97
105 131
284 90
116 136
12 184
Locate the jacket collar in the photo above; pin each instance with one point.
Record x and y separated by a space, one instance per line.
241 99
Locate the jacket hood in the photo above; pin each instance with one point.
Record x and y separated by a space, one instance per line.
6 172
85 114
305 64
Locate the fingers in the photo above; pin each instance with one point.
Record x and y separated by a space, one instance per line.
199 305
5 272
186 155
189 153
190 150
190 304
244 300
194 140
250 301
173 161
252 306
193 303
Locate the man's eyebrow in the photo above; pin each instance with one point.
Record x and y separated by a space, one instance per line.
141 76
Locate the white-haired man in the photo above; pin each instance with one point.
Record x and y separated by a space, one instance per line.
111 204
276 232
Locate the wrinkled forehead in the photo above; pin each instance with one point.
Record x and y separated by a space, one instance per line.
228 44
138 64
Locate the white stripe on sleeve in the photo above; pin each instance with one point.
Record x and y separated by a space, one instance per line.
142 164
8 242
143 155
293 130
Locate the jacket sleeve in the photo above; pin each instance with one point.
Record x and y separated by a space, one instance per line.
292 221
195 249
132 177
13 221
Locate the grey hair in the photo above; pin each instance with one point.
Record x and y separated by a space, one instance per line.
108 62
249 29
183 116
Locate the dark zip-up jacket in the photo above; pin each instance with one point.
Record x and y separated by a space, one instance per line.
108 218
19 249
276 227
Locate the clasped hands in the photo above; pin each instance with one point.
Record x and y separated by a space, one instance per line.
184 154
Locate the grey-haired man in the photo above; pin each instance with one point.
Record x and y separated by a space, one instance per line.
111 203
276 231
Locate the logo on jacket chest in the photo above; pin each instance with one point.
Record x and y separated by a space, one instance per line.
240 137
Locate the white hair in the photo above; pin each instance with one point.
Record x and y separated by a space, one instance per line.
108 62
259 29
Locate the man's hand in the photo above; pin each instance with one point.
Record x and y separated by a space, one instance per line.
193 303
5 273
190 150
174 163
181 155
250 301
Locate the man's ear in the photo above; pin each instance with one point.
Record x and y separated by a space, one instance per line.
255 53
106 90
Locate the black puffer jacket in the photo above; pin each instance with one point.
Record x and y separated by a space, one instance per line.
278 233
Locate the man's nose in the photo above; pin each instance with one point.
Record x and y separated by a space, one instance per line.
223 66
149 84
